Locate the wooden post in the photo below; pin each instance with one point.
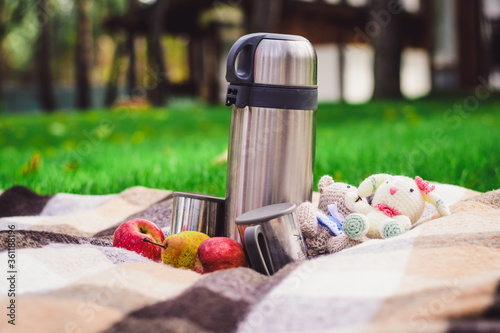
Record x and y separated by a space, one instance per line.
427 12
470 56
341 46
265 15
387 44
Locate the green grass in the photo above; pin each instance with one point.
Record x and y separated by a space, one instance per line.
176 148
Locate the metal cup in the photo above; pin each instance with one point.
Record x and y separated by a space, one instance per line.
271 237
197 212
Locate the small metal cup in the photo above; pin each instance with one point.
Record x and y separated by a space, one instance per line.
271 237
197 212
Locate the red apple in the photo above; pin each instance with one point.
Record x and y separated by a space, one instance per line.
129 236
218 253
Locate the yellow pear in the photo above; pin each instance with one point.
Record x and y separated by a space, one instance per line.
180 250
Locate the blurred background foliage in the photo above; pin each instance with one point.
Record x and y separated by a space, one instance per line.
80 54
411 90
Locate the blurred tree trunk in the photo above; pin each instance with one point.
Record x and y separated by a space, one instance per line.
156 73
43 58
211 51
133 6
195 53
265 15
131 70
2 35
83 54
8 21
387 45
112 84
2 23
2 105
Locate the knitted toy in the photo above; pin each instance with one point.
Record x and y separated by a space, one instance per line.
319 225
398 202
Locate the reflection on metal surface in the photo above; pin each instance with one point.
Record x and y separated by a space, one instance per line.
194 212
271 150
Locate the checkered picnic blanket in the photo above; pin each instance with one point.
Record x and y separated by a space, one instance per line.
441 276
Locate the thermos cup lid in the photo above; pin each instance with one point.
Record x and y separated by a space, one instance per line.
272 71
265 213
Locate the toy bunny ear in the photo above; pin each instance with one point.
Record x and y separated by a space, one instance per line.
324 182
370 184
433 199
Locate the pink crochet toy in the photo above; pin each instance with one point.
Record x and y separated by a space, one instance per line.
398 202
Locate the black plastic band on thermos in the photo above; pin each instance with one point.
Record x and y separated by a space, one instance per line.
273 96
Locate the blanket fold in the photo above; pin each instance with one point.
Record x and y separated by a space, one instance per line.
443 275
21 201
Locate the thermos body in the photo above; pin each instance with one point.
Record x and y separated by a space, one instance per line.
285 62
273 94
260 137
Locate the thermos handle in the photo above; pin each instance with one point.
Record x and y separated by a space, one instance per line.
245 48
258 250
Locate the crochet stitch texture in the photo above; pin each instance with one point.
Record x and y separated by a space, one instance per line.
317 236
398 202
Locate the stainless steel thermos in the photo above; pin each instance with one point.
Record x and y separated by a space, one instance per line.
273 93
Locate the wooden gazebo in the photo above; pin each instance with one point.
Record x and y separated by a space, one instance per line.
319 21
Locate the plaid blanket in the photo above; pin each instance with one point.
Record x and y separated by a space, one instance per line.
61 274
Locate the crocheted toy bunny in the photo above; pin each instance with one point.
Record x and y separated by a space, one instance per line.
319 225
398 202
